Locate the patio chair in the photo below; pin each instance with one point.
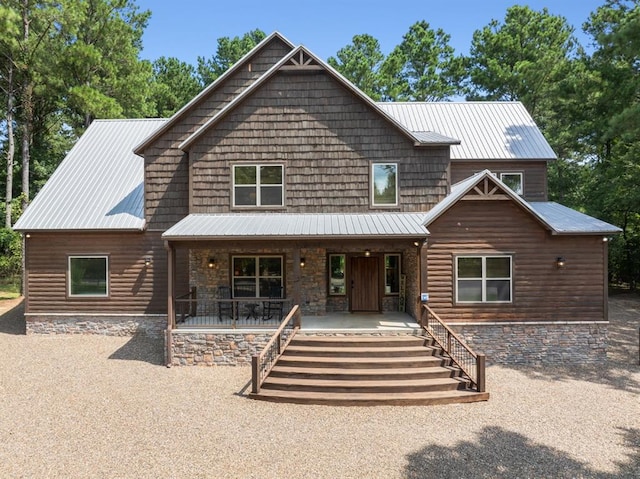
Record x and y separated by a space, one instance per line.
272 308
225 308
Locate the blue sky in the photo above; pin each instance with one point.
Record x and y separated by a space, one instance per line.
187 29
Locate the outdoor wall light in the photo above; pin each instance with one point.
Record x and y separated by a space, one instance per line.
212 262
416 243
147 261
302 262
560 262
367 252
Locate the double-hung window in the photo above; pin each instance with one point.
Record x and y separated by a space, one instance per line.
258 185
384 184
89 276
257 276
484 279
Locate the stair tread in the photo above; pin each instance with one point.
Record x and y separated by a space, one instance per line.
427 397
357 339
355 360
356 349
363 382
361 372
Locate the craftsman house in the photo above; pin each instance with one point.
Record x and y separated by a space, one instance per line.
282 184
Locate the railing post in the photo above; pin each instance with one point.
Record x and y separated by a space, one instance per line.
448 342
278 344
480 373
255 374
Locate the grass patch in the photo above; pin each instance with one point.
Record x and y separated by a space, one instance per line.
9 288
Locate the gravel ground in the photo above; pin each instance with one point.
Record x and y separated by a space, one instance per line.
93 406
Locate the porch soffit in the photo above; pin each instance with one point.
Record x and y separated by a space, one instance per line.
284 226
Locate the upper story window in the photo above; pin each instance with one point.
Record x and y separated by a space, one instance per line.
384 184
513 181
89 276
483 279
258 185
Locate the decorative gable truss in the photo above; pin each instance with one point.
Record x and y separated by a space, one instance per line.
486 189
302 60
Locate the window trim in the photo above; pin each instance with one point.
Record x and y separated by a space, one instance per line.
258 276
72 295
484 278
514 173
386 255
257 186
330 292
372 190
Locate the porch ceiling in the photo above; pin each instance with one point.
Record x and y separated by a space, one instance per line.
284 226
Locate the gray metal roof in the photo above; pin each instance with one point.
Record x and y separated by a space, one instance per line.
556 218
303 225
567 221
99 185
487 130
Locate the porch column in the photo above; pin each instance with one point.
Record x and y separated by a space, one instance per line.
297 276
422 274
171 285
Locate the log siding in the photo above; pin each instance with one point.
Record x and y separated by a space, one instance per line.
541 291
133 287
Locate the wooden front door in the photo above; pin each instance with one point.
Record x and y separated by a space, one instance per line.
365 284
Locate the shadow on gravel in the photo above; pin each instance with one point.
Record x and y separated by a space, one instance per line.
141 348
12 321
622 352
498 453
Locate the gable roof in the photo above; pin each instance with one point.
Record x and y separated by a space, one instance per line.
304 57
98 186
236 226
139 149
556 218
491 130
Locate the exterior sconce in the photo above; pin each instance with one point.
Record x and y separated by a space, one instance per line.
416 243
302 262
367 252
212 263
560 262
147 261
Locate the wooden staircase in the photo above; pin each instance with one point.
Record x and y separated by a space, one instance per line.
364 370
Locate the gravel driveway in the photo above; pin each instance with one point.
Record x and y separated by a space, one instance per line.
91 406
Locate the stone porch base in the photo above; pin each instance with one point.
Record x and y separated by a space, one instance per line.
537 343
108 325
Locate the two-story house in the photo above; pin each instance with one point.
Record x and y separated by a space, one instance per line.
281 180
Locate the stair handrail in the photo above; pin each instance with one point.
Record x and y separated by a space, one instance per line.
471 364
262 363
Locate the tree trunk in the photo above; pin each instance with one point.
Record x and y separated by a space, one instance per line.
27 112
10 146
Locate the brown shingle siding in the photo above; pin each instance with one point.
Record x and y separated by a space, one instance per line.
327 146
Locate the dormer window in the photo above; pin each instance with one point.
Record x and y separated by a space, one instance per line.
384 184
513 181
258 185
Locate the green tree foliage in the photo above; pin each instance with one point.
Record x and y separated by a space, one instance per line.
360 63
612 114
423 67
229 51
174 84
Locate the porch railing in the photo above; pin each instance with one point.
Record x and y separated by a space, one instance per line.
191 311
262 363
472 364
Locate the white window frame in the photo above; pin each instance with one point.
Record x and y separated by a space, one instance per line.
484 278
257 185
373 186
514 173
258 275
70 292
